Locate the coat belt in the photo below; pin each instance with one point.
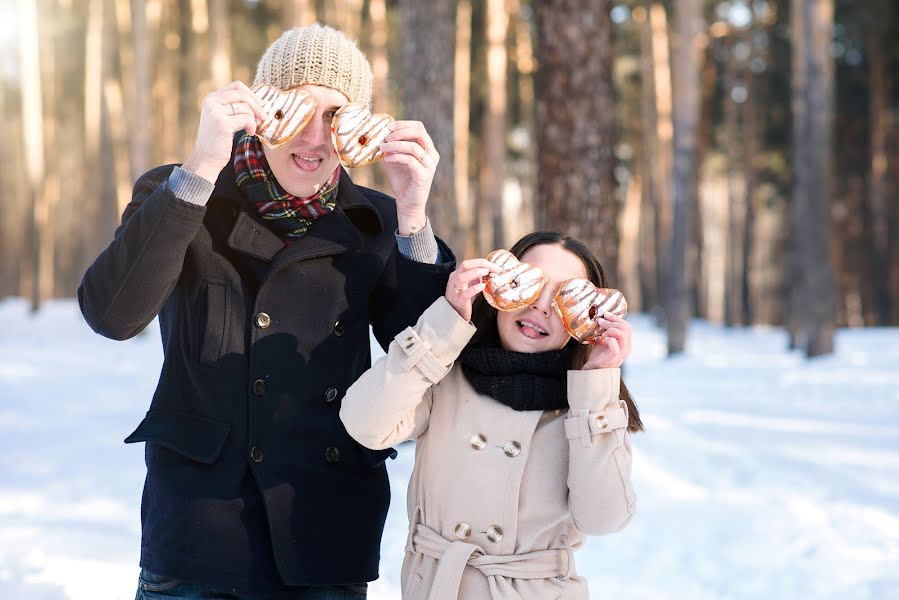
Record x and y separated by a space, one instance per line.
453 556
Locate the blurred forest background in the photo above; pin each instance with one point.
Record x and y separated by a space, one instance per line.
736 160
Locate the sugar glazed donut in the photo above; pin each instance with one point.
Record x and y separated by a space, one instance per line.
291 111
579 304
357 134
516 286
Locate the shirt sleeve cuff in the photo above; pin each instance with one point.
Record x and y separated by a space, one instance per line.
190 187
421 246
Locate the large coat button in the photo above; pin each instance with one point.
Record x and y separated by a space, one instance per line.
256 454
332 454
263 320
259 387
512 449
339 329
463 531
478 441
331 394
494 533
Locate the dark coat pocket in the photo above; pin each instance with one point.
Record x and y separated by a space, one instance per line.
192 436
376 458
215 334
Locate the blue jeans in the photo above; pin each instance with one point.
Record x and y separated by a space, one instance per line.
153 587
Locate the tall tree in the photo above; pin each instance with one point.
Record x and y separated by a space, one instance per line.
219 43
525 146
575 124
686 67
33 148
737 157
491 180
655 217
462 115
812 304
138 132
880 126
428 50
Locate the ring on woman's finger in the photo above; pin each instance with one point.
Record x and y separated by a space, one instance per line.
233 109
458 289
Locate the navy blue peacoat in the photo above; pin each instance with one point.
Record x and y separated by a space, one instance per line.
252 482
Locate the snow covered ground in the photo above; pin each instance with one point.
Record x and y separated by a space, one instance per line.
761 475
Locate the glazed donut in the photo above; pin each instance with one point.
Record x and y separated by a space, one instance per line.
516 286
357 134
579 304
291 111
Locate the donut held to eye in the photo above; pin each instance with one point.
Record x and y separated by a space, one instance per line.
580 304
357 134
290 112
516 286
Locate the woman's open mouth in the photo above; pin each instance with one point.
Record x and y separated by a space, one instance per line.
530 329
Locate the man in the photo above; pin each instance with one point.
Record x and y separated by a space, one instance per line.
266 267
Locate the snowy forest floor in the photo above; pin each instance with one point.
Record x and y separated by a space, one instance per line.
761 475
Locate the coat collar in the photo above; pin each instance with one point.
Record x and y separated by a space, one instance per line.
332 234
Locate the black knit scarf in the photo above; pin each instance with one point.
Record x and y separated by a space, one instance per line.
520 380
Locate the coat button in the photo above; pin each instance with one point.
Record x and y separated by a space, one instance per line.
331 394
256 454
601 422
332 454
339 329
263 320
259 387
512 449
478 441
494 533
463 531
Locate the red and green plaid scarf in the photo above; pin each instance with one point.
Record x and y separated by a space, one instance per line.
287 215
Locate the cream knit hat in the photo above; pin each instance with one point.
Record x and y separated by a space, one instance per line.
317 54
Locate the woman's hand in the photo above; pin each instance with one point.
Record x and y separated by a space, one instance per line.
224 111
411 160
613 347
466 282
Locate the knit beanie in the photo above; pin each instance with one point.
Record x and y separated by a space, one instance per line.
319 55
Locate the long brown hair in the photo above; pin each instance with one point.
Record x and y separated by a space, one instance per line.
483 316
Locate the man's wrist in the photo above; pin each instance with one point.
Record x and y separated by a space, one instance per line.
201 168
411 224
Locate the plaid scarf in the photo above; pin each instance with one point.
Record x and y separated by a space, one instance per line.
288 216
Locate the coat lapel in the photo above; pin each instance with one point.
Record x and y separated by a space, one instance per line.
330 235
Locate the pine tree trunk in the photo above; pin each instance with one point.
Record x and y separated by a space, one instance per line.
219 43
629 246
881 123
812 308
462 102
575 125
33 147
526 171
751 119
664 141
688 21
138 132
648 167
491 180
428 50
736 192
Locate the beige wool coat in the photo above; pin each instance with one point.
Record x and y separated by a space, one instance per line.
499 499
